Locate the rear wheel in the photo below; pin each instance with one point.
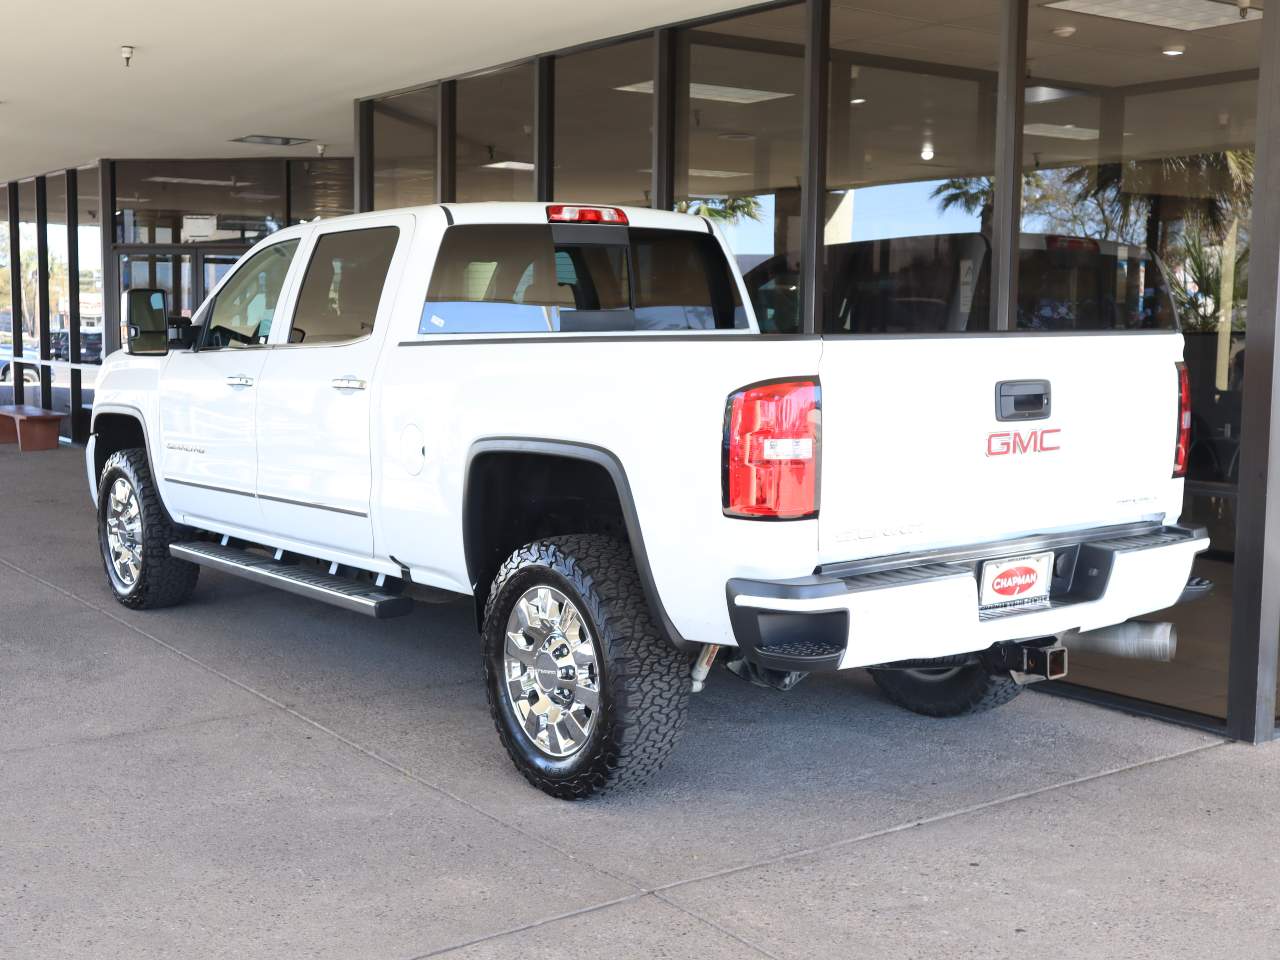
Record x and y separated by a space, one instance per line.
946 690
134 533
586 693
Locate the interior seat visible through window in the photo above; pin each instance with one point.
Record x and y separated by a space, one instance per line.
339 298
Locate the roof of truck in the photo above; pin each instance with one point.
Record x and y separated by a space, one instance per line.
502 211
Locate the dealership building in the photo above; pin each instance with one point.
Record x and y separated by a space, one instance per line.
1021 165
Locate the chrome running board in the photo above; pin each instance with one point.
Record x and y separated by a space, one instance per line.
293 578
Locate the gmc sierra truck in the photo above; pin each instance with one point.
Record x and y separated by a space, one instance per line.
568 413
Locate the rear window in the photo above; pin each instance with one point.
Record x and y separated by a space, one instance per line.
536 278
942 284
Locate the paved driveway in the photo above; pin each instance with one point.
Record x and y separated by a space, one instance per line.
256 775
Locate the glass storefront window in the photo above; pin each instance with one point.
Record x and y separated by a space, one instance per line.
603 125
1138 149
6 291
319 189
56 234
910 168
89 252
29 295
495 135
739 137
198 201
404 149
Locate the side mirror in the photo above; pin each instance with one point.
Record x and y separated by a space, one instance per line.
145 315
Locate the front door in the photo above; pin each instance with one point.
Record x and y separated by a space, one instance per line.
208 397
314 458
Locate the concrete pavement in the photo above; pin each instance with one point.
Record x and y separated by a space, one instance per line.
256 775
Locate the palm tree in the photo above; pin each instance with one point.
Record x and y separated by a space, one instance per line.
728 209
973 195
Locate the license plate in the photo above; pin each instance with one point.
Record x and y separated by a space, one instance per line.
1017 580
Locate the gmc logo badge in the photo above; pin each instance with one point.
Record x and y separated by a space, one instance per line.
1036 441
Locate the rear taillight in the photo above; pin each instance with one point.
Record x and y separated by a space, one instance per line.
571 213
771 436
1182 452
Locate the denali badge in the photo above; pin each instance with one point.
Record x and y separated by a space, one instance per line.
1034 441
1010 583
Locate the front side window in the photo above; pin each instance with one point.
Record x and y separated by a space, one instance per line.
242 311
534 278
340 293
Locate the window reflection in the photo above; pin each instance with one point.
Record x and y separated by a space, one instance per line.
404 149
495 135
198 201
739 133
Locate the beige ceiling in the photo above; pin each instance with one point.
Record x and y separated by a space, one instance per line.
204 73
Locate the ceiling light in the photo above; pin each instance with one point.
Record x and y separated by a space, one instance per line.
1174 50
267 140
508 165
713 174
1064 31
1170 14
858 101
1043 94
1060 131
926 151
199 181
736 137
714 91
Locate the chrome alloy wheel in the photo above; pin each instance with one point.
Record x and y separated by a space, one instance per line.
551 673
124 532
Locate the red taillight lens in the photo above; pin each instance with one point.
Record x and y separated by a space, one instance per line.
566 213
1182 452
771 451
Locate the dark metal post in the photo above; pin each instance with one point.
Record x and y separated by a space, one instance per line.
813 185
544 132
110 263
79 428
42 292
15 290
288 197
362 172
1007 222
662 189
447 143
1255 600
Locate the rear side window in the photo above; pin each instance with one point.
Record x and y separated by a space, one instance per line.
339 298
536 278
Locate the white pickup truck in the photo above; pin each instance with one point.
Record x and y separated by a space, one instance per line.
569 414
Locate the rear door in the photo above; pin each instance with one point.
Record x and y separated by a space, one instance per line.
314 405
936 437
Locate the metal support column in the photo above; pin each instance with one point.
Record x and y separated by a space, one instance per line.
1007 222
15 289
42 291
362 174
544 122
447 142
813 185
662 186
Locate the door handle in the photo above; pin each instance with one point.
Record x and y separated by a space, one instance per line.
1023 400
240 380
347 383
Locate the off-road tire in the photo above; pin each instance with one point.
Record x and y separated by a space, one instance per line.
970 690
644 681
162 580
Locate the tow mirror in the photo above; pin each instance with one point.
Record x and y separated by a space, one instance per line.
145 315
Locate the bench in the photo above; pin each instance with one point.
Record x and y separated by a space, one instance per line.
32 428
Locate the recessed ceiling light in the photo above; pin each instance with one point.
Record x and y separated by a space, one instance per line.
1043 94
712 174
858 101
926 151
508 165
1064 31
1174 50
714 91
737 137
1060 131
1171 14
267 140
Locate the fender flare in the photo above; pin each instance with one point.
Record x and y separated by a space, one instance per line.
601 457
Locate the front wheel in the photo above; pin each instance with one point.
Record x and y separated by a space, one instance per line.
134 533
586 693
946 690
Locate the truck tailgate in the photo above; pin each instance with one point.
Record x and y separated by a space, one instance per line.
915 456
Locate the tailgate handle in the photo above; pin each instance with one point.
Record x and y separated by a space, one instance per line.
1022 400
